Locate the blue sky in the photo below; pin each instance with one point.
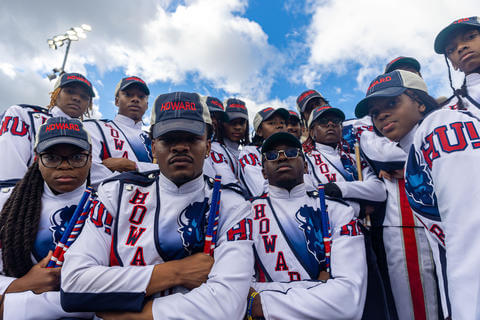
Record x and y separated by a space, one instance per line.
264 52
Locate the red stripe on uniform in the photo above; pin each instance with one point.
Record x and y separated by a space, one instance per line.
113 257
261 275
411 253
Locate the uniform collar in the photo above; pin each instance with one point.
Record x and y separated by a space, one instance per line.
67 195
120 118
406 142
325 148
57 112
231 144
188 187
296 192
472 79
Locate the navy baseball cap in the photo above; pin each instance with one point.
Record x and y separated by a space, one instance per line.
322 111
305 97
281 138
128 81
294 114
179 111
59 130
236 108
214 104
400 61
67 78
442 38
267 113
390 85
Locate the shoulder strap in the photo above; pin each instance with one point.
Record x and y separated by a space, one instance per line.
34 107
143 179
230 186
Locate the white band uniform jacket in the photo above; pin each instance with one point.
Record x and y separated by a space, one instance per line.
20 124
287 259
150 220
325 165
120 138
221 162
442 175
54 217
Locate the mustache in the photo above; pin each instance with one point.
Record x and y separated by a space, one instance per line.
176 157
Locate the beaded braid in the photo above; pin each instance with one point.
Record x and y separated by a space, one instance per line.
53 101
456 92
19 221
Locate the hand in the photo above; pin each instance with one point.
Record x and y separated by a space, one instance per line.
332 190
146 313
257 311
39 279
323 276
390 175
189 272
194 270
119 164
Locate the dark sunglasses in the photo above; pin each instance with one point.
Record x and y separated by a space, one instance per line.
273 155
325 121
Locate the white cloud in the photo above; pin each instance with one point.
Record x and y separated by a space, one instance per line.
372 32
159 41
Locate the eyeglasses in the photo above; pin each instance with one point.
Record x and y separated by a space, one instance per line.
288 153
77 160
325 121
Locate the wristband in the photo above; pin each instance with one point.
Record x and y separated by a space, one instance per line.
250 305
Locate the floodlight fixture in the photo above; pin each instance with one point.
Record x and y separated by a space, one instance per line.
73 34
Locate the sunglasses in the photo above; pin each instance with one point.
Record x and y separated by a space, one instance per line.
273 155
325 121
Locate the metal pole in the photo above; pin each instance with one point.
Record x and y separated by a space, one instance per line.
62 69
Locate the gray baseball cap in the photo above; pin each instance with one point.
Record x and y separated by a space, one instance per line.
179 111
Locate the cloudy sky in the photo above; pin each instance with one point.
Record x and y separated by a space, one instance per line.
265 52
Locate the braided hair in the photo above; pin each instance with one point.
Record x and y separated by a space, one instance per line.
53 101
19 221
456 92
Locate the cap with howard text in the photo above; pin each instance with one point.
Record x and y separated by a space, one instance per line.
179 111
128 81
67 78
389 85
59 130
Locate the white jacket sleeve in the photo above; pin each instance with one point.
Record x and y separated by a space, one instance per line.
217 163
442 182
29 306
16 143
250 172
341 297
371 188
88 282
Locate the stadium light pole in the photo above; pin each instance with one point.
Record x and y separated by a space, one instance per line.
72 34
